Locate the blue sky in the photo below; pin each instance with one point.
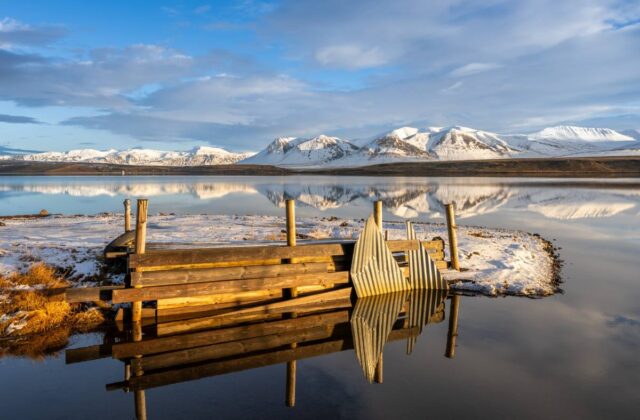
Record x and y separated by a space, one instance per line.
235 74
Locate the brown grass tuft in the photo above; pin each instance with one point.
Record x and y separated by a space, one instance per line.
41 312
38 274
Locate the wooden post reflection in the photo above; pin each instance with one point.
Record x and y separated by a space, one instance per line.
379 368
291 383
453 327
377 215
139 396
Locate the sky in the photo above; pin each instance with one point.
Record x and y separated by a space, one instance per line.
236 74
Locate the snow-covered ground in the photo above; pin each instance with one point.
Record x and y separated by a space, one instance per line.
495 261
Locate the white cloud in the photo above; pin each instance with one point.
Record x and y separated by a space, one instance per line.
350 56
474 68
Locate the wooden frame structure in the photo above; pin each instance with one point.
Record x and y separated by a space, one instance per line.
181 282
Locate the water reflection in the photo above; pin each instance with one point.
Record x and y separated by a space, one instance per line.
154 355
402 197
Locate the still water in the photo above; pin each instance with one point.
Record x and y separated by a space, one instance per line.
571 355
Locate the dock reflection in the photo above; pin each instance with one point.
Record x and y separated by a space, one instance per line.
155 355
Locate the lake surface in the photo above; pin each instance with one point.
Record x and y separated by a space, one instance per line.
571 355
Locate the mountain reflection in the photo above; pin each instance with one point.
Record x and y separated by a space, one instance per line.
405 198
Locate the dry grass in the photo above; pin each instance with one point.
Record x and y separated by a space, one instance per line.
38 274
28 296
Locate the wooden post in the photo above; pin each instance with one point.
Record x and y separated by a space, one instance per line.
453 327
452 228
291 238
127 215
141 245
377 213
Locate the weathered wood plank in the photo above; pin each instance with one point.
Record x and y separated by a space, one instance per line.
162 278
85 354
218 255
184 341
90 294
235 299
333 299
236 348
227 286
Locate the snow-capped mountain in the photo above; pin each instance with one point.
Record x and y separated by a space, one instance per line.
462 143
401 144
445 143
196 157
573 133
397 145
571 141
291 151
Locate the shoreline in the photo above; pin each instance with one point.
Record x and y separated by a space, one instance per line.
583 167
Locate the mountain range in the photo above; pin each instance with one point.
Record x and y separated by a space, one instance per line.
402 144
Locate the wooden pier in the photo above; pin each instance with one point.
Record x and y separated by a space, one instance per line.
165 282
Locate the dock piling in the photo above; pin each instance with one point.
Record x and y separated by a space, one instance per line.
377 213
127 215
452 229
141 244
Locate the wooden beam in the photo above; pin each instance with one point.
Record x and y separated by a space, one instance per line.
206 275
222 335
218 368
228 286
234 348
85 354
333 299
182 257
90 294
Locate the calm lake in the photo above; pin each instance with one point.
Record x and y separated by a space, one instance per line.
571 355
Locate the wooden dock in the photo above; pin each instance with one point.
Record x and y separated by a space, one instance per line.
181 281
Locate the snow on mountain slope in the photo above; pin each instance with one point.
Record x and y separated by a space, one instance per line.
462 143
396 145
401 144
569 132
290 151
199 156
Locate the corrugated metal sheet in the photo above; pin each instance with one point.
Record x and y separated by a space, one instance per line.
374 271
423 271
371 322
425 306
